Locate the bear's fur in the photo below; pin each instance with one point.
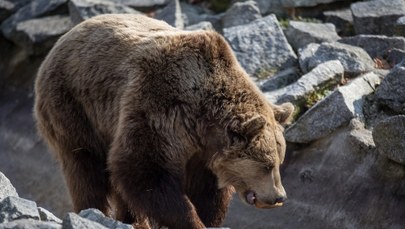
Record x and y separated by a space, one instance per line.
159 123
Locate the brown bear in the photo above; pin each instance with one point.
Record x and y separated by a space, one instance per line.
158 125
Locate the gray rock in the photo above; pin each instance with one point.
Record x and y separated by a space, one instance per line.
377 17
144 4
375 45
342 19
336 110
13 208
74 221
391 92
35 9
241 13
389 137
359 137
37 36
261 45
192 14
29 224
306 3
46 215
204 25
6 188
279 80
299 34
399 29
172 14
8 7
354 59
81 10
324 75
97 216
396 56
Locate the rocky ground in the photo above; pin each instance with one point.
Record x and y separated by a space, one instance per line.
341 63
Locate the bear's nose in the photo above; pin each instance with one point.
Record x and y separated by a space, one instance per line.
280 199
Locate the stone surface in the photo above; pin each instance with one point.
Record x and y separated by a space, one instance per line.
399 29
37 36
299 34
261 45
97 216
74 221
354 59
30 224
8 7
306 3
377 17
204 25
323 76
391 92
279 80
396 56
81 10
35 9
359 137
13 208
46 215
375 45
337 109
241 13
191 14
6 188
342 19
389 137
143 4
172 14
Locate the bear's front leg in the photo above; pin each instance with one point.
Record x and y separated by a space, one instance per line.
149 181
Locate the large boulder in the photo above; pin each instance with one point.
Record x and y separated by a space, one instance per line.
336 110
6 188
97 216
241 13
30 224
8 7
261 46
280 79
74 221
354 59
342 19
306 3
391 92
171 14
377 17
13 208
144 5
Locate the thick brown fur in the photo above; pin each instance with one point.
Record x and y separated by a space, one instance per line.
160 122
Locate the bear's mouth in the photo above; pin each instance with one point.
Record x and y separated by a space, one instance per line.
250 197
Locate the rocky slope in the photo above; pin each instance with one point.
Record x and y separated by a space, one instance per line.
341 63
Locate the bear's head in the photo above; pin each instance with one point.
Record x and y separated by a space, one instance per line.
251 160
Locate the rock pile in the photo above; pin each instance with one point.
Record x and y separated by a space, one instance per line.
343 70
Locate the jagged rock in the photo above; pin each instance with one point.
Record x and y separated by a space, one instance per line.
204 25
389 137
81 10
342 19
35 9
241 13
299 34
46 215
377 17
191 14
279 80
359 137
37 36
74 221
30 224
354 59
391 92
305 3
399 29
324 75
261 45
344 104
375 45
396 56
97 216
172 14
6 188
8 7
13 208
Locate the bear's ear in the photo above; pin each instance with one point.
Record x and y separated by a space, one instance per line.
282 112
252 126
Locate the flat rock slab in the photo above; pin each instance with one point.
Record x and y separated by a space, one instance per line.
342 19
300 34
261 45
377 17
81 10
8 7
391 92
97 216
389 137
241 13
13 208
344 104
48 216
35 9
280 79
30 224
6 188
326 74
172 14
74 221
375 45
354 59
